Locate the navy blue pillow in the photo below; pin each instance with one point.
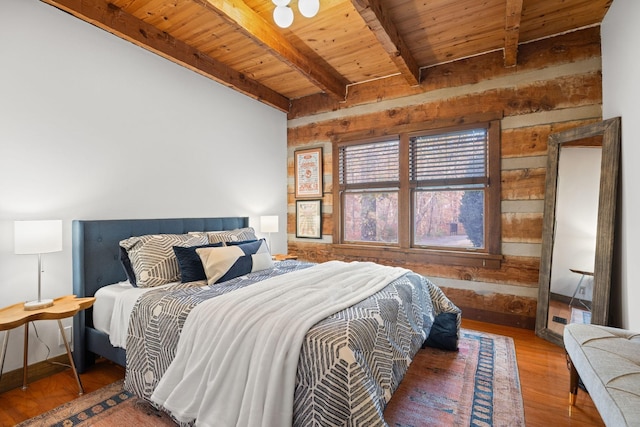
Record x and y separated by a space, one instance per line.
126 265
444 332
239 242
191 268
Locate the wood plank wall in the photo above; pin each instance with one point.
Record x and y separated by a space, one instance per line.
557 84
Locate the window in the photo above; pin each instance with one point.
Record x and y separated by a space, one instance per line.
370 176
434 191
448 175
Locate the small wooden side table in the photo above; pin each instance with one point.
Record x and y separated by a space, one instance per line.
282 257
15 315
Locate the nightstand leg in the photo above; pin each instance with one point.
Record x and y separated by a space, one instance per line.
5 342
73 365
24 358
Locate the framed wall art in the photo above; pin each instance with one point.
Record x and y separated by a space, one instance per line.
309 219
308 172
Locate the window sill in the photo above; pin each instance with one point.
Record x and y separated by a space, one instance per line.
422 256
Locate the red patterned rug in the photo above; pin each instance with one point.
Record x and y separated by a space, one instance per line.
478 385
475 386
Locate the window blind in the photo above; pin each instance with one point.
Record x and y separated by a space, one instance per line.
454 155
369 163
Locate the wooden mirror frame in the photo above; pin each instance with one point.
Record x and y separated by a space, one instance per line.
607 198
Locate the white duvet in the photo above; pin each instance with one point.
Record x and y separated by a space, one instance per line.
236 359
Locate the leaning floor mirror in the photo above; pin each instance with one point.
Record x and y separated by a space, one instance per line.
578 228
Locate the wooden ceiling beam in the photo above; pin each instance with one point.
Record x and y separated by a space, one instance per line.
512 32
114 20
238 14
376 16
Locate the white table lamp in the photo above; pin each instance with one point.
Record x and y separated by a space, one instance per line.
38 237
269 224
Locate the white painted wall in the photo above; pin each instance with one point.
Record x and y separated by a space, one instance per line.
93 127
621 91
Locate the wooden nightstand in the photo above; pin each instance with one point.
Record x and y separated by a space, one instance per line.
15 315
282 257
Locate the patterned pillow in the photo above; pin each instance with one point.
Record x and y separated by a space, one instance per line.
152 258
191 268
227 262
237 235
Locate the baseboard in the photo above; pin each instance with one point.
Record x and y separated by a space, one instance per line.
13 379
494 317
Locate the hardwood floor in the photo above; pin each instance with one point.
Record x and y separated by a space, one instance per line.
40 396
544 380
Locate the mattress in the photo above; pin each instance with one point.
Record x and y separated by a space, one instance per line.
113 307
105 301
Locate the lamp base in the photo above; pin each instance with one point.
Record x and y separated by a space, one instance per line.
37 305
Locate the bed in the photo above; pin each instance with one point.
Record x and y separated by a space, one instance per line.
343 378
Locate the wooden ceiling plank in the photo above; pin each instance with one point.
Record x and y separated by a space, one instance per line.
377 18
512 32
114 20
247 21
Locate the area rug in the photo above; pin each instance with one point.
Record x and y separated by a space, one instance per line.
478 385
109 406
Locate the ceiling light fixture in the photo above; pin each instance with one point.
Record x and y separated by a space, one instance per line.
283 14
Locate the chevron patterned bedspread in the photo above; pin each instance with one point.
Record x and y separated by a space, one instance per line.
350 363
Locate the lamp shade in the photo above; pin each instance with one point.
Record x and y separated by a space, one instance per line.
37 237
269 224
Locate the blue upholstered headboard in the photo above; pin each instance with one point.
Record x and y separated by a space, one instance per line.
96 263
96 256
